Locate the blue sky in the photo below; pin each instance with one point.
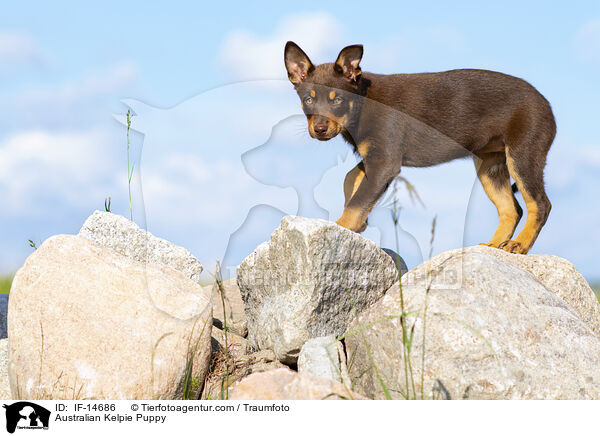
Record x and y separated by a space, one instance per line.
65 69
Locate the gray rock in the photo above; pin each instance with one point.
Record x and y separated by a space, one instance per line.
88 323
3 315
492 331
322 357
237 344
283 384
308 281
555 273
232 363
126 238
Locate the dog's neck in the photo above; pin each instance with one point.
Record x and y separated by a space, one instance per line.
350 132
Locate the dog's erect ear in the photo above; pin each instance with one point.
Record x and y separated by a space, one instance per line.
347 62
298 65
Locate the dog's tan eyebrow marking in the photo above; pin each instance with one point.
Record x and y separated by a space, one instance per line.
313 93
331 95
351 104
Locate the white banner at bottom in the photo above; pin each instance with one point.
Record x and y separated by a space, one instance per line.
150 417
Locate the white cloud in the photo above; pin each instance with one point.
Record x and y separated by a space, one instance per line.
586 42
17 48
245 55
65 168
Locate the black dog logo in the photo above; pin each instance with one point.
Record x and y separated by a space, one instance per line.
26 415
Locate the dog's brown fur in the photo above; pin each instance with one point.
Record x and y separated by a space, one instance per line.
426 119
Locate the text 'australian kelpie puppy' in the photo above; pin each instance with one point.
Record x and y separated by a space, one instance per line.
420 120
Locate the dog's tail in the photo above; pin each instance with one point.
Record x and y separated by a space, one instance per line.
515 188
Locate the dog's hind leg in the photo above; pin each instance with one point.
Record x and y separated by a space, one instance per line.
530 181
526 158
494 177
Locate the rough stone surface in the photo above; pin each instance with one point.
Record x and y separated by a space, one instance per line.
234 308
284 384
555 273
238 363
493 331
87 322
321 357
239 344
308 281
4 385
125 237
3 314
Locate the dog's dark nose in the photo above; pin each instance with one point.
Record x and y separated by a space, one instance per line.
320 128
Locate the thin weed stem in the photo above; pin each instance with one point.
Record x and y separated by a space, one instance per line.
225 381
429 282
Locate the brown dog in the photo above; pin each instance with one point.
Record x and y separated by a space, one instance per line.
426 119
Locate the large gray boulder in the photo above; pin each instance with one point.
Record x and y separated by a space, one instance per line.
555 273
85 322
307 281
493 330
125 237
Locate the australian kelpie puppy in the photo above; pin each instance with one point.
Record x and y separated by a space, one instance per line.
426 119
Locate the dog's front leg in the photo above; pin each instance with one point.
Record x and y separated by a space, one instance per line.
378 174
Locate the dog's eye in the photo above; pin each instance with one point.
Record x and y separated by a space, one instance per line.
308 100
338 100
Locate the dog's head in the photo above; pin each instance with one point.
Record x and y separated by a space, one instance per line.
330 93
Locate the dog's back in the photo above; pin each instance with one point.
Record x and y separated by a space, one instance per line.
470 108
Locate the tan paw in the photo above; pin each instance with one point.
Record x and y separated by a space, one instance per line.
514 247
352 225
353 219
